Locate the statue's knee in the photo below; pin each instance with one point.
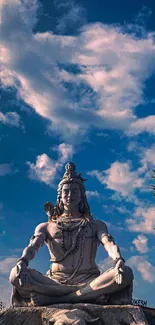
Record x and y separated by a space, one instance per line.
13 277
128 274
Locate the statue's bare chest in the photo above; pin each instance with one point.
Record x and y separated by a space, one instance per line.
62 240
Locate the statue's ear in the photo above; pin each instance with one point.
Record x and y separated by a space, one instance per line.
61 206
49 208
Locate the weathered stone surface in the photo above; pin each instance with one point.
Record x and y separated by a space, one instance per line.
77 314
150 315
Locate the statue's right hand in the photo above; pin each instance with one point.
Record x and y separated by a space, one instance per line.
49 208
22 273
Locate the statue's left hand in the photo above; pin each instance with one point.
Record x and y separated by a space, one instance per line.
119 269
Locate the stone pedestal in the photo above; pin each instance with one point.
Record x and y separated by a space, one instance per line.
77 314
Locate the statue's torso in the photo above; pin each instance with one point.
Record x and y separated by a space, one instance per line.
82 257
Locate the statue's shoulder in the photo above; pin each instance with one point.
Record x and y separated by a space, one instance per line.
42 227
100 225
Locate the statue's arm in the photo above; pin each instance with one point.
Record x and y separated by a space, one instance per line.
113 250
36 242
108 242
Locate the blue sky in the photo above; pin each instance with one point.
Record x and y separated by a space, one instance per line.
77 83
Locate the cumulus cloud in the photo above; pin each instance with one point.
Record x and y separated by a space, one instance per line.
45 169
114 208
10 118
65 152
145 124
122 209
143 220
5 290
94 79
141 243
92 194
145 268
148 157
146 154
114 227
105 264
74 17
7 264
119 177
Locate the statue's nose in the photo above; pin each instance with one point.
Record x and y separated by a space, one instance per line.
69 194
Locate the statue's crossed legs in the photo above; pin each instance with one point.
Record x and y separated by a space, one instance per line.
43 290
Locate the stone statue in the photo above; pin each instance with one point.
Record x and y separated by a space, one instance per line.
72 237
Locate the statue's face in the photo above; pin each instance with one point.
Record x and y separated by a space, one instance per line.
71 195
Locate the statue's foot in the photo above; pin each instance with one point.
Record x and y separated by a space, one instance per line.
38 299
122 297
17 300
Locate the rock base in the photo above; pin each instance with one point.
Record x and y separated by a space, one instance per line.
77 314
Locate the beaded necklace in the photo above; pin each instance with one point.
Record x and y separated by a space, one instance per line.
63 226
65 222
75 246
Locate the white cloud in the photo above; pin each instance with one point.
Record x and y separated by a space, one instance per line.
10 118
5 169
114 227
145 268
145 154
123 210
7 264
74 16
45 169
5 287
105 264
141 243
16 250
65 152
113 208
92 194
145 124
112 66
148 157
143 220
119 177
5 290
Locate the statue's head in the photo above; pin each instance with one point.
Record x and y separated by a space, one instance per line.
72 192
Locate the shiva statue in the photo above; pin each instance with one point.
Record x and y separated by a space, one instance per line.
72 238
